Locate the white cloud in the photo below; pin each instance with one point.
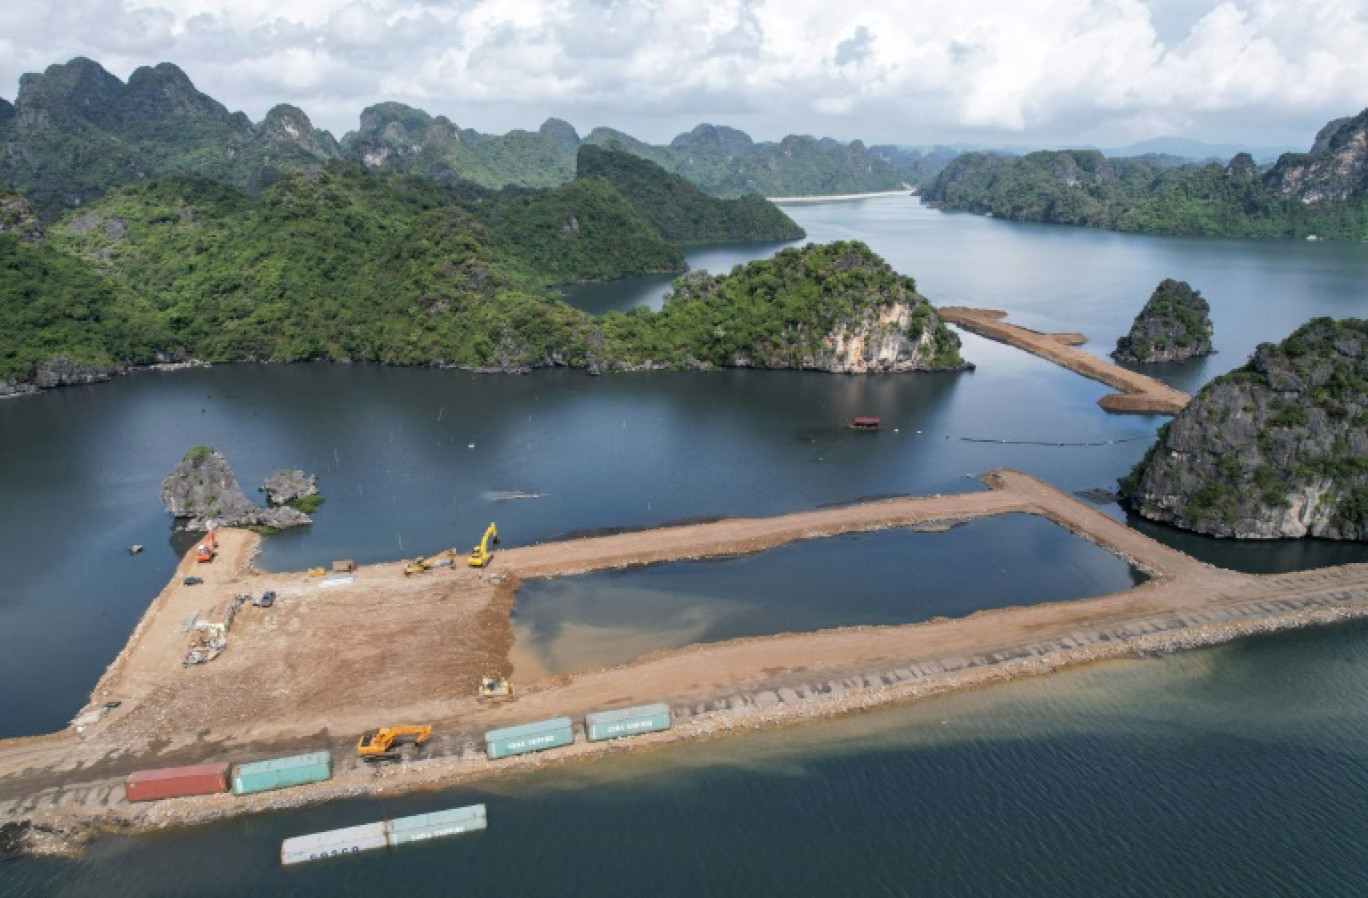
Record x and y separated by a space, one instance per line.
886 70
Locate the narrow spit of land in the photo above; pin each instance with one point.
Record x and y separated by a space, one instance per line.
333 659
1138 392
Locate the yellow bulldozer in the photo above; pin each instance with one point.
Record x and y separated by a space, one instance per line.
495 689
480 555
384 744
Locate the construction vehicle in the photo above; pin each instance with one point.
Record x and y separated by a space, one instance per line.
480 555
383 744
205 552
441 559
495 688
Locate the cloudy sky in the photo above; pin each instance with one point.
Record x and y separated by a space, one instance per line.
1019 72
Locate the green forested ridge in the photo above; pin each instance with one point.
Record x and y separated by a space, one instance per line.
775 312
581 231
681 212
337 263
1322 193
54 306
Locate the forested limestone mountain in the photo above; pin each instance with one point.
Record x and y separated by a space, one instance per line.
1276 449
76 132
398 138
337 263
1322 193
836 307
681 212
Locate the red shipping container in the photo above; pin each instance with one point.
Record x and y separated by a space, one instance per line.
174 782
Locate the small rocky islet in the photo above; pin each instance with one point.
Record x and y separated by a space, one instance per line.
1174 326
203 492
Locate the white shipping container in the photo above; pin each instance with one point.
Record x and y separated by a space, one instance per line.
352 840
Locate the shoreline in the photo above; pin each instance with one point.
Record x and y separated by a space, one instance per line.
69 784
841 197
63 835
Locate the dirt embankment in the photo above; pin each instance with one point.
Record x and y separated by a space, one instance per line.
1138 392
335 657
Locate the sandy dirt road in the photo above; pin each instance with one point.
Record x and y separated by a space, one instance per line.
1138 392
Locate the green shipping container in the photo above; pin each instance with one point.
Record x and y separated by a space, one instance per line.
263 776
627 722
537 736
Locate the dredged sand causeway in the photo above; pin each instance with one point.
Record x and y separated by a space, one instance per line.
1138 392
331 661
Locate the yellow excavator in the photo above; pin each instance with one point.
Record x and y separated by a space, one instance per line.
441 559
382 745
480 555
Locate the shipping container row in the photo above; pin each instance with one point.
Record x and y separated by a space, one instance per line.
599 726
315 767
246 779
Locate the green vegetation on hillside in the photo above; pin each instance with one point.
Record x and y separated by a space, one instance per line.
582 231
53 306
330 264
1145 195
681 212
776 312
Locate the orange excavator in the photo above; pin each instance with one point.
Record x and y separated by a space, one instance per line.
381 745
208 549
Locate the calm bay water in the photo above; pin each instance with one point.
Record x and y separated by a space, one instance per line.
1234 771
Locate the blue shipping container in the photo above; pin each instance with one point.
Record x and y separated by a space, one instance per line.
279 773
538 736
627 722
421 827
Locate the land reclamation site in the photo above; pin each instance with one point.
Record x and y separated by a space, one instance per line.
336 657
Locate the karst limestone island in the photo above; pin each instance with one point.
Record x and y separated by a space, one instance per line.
202 492
1174 326
1276 449
145 224
1322 193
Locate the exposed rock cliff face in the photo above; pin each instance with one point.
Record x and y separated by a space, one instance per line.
1174 326
1335 169
203 490
17 217
1276 449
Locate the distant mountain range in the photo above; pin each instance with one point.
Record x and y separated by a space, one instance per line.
1323 193
75 131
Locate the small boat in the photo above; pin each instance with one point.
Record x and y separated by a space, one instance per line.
135 549
865 422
